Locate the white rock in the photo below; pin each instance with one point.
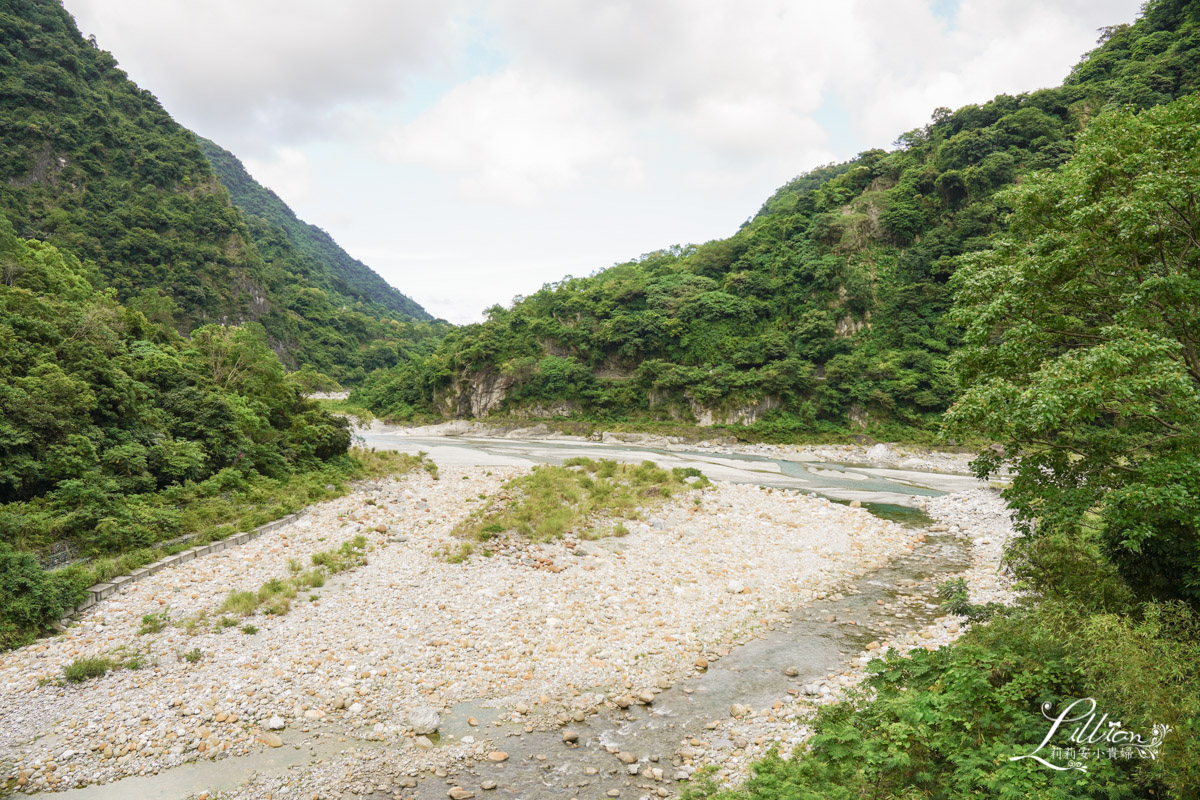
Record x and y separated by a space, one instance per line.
424 720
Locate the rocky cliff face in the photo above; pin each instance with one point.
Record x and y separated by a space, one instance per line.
476 395
738 415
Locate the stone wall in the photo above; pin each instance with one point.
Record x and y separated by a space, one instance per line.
102 590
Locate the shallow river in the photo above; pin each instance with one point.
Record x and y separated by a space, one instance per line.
863 482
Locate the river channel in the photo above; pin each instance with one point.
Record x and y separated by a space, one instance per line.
812 642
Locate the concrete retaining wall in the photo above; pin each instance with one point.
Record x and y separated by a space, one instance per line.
102 590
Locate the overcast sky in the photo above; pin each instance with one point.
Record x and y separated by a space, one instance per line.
471 151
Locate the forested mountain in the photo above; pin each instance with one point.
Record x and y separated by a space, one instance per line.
114 429
825 309
323 262
93 165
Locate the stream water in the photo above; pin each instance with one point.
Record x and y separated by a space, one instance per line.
540 766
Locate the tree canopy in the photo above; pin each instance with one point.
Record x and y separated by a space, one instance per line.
1082 346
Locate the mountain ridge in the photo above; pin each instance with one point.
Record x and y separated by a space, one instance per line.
93 165
350 276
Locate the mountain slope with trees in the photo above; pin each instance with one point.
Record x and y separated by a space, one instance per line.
93 165
827 310
1081 327
116 432
324 263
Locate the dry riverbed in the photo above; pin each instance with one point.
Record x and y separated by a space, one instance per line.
544 633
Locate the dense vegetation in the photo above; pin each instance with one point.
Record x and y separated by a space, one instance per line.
1082 349
1079 354
116 433
828 308
93 165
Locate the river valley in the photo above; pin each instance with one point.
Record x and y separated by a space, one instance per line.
578 668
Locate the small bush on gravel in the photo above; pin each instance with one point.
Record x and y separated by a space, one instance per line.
153 623
350 554
82 669
243 603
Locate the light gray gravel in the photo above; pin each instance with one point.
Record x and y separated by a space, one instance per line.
534 629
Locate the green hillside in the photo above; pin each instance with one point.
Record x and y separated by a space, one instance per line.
325 264
827 310
116 433
93 165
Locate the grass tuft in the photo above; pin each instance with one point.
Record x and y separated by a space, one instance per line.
275 596
82 669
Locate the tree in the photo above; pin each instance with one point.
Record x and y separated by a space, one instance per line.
1082 348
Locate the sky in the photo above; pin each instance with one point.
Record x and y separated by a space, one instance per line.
471 151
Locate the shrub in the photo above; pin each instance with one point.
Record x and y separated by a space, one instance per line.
82 669
29 599
153 623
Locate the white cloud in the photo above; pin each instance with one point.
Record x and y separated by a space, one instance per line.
287 172
736 78
906 62
513 137
253 72
593 130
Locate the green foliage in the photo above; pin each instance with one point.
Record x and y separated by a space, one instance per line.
103 414
29 599
553 500
155 622
93 165
1149 666
1082 351
955 599
83 669
826 311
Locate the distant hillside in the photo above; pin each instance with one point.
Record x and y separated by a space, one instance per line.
93 165
827 309
326 264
